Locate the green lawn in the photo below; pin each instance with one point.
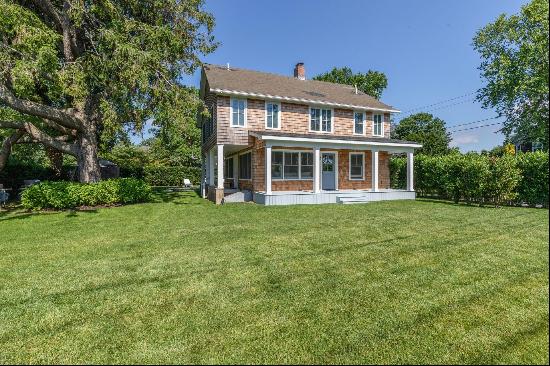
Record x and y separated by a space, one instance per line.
183 281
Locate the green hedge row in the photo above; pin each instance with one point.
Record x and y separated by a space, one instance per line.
158 175
478 178
63 194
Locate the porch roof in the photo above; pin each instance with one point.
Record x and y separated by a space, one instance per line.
353 142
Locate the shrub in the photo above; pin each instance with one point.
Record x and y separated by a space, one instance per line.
159 175
60 195
478 178
533 187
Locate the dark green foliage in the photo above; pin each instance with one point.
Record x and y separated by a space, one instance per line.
426 129
533 187
372 83
514 53
478 178
158 175
63 194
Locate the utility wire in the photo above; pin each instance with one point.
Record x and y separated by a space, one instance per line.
440 102
471 123
438 108
476 127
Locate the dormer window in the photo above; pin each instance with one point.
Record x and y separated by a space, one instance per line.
238 112
378 125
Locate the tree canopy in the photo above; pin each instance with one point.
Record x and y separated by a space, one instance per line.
514 50
372 82
426 129
74 73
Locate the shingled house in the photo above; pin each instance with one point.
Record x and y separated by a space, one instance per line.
288 140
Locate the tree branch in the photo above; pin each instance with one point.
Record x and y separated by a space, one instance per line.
55 126
48 140
64 117
5 149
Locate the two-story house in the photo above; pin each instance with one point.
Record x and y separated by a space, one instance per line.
289 140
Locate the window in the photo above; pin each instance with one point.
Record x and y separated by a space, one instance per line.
306 165
272 115
291 168
277 165
359 123
378 125
291 165
228 168
245 166
238 112
320 120
356 166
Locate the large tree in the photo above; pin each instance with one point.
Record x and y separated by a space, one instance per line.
514 50
74 71
372 82
426 129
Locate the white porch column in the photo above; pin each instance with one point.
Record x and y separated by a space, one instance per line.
220 166
375 170
268 169
316 170
410 171
210 163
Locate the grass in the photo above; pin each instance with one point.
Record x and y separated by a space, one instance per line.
183 281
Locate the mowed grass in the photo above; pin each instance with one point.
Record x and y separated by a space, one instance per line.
183 281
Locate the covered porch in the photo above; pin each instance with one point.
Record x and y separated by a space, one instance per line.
293 169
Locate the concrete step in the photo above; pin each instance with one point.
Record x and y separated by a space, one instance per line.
238 196
353 199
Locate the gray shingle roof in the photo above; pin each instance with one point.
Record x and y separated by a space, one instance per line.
283 87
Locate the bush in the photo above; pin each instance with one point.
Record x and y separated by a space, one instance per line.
158 175
533 188
60 195
478 178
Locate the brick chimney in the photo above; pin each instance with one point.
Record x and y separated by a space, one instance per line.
300 71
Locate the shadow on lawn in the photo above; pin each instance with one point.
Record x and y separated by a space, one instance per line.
178 197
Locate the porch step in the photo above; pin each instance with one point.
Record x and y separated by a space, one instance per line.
238 196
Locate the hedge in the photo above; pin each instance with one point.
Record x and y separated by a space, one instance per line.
478 178
64 194
158 175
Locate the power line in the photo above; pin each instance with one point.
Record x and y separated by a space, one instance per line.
440 102
471 123
442 107
476 127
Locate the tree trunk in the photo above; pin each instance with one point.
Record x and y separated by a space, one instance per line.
56 159
88 164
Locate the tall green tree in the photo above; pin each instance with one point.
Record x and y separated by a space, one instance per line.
372 82
514 50
75 71
426 129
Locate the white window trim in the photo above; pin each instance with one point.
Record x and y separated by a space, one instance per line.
381 127
231 112
364 121
349 163
278 115
321 120
299 165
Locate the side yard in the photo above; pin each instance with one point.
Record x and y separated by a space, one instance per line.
180 280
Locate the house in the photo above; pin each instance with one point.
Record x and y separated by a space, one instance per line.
290 140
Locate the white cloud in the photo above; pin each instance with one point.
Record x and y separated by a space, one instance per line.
465 139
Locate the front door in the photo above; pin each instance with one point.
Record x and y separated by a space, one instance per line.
328 164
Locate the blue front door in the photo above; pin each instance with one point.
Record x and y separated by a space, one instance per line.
328 166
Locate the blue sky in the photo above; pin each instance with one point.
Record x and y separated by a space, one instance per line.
423 47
